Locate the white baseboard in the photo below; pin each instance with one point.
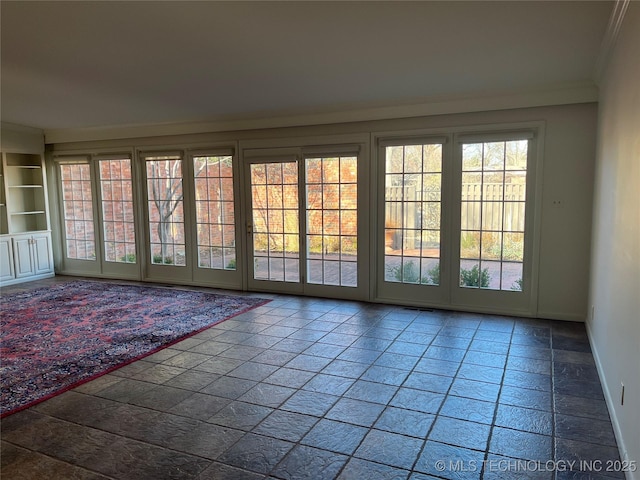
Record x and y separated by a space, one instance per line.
568 317
610 404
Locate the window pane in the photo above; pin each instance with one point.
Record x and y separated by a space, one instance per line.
394 159
392 268
432 158
515 186
514 216
493 215
516 155
469 244
274 202
332 220
117 201
431 271
413 185
77 205
165 206
213 180
512 276
470 215
493 156
471 157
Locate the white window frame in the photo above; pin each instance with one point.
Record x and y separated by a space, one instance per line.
291 149
211 276
191 274
503 301
76 266
406 293
116 269
97 267
451 297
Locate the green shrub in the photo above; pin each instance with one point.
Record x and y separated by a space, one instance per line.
408 274
411 274
128 258
473 277
158 260
517 285
433 275
231 265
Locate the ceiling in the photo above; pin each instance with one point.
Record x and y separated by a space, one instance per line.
72 65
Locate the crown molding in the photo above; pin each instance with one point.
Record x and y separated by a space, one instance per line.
585 92
610 38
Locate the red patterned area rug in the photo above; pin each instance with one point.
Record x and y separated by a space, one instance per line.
55 338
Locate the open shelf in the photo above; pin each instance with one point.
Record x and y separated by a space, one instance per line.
22 222
4 221
23 160
23 194
4 224
19 177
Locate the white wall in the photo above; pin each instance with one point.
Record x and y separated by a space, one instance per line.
567 195
19 139
568 168
615 274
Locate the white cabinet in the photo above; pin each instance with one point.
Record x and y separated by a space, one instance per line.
42 254
32 254
25 237
7 272
23 257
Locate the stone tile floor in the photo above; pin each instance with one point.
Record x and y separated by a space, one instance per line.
306 388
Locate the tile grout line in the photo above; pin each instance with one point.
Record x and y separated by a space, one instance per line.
375 323
554 455
497 406
323 417
436 415
386 405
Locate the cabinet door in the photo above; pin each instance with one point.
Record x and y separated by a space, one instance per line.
22 254
42 260
6 260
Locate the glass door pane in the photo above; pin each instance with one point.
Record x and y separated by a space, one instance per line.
118 225
332 221
275 217
77 206
492 215
165 203
413 205
215 214
412 263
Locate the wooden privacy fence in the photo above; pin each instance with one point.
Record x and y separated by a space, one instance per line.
488 206
493 206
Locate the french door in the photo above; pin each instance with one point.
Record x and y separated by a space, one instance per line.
304 223
494 191
191 222
117 215
167 256
413 263
99 215
456 221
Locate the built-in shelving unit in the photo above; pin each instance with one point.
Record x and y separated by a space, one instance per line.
4 225
26 202
25 236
